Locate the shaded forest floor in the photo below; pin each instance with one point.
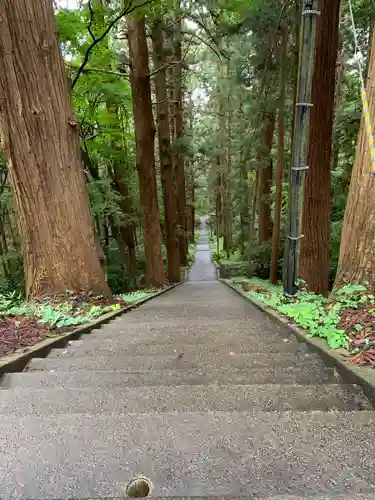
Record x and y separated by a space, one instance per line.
22 324
347 322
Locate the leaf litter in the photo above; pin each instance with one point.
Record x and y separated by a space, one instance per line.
23 324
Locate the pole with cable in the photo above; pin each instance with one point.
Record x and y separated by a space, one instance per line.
310 13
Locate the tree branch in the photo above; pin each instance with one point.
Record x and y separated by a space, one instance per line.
89 28
168 64
203 41
218 52
98 70
4 181
125 11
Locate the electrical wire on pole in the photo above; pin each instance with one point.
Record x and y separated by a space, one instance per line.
310 13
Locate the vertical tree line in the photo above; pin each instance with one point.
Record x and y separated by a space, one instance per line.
121 125
75 175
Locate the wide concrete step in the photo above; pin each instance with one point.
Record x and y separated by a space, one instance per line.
179 361
199 454
177 312
249 343
185 308
351 495
182 399
91 345
225 354
107 378
191 335
250 326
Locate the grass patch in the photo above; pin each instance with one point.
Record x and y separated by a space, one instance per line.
346 322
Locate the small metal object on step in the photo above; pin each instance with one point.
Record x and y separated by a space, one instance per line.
139 487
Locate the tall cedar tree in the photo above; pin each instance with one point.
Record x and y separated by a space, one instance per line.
145 135
40 142
265 178
225 127
357 250
165 153
179 165
315 246
279 162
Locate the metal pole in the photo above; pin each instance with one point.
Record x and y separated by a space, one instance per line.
300 142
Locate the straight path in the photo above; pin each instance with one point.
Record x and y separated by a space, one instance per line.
203 269
199 391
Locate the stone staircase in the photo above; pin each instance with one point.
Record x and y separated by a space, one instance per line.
197 390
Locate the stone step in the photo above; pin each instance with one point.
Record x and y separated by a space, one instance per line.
213 397
188 333
181 361
107 379
249 343
134 322
228 354
196 454
209 306
351 495
87 346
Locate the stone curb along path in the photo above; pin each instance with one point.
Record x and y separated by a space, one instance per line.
364 377
17 361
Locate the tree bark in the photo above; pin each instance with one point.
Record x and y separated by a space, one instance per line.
127 229
244 210
357 251
244 192
265 179
178 158
227 160
279 165
254 203
145 135
165 154
315 245
40 141
337 100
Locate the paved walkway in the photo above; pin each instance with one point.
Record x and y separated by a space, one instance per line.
197 390
203 269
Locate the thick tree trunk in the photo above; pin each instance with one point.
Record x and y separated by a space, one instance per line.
244 210
296 37
145 135
315 245
357 251
165 154
337 102
40 141
226 126
218 205
244 192
125 232
279 165
192 209
190 190
178 158
265 179
254 204
127 229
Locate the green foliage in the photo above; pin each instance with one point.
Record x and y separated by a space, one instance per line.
65 313
310 311
138 295
306 309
